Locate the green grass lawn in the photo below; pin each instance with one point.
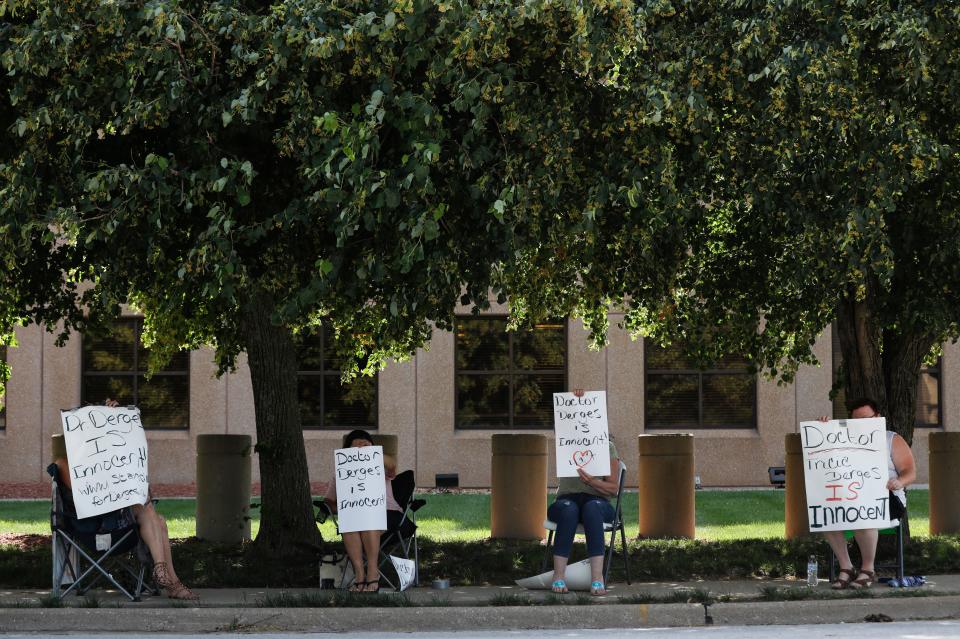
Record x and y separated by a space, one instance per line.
721 515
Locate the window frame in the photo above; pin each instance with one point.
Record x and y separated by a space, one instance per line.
509 373
136 372
700 426
322 373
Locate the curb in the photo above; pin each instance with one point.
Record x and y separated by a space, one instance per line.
424 619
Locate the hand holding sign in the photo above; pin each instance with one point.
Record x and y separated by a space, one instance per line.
582 435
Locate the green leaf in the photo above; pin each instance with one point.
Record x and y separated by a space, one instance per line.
226 117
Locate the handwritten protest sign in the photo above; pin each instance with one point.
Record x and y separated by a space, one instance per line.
581 433
845 470
107 455
361 489
406 571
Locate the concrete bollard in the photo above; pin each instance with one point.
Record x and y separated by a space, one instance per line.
223 487
518 486
58 447
390 444
666 486
795 498
944 479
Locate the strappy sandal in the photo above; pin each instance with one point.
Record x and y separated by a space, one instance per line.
560 587
841 583
174 587
865 581
597 588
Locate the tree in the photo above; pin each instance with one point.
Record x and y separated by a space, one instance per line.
242 170
812 177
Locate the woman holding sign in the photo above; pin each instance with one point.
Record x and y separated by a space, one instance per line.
901 472
584 499
366 542
153 531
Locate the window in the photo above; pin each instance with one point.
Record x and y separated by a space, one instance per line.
3 397
506 379
679 395
928 390
325 403
114 366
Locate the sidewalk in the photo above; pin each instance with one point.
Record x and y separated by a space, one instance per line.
470 608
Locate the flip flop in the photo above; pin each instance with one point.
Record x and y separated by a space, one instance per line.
559 587
597 588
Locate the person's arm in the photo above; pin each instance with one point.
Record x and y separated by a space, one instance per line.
389 466
330 496
904 463
64 469
608 485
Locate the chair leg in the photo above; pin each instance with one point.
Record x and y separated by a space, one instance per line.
900 551
608 556
546 552
623 549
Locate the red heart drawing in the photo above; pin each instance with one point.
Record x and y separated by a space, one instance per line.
582 457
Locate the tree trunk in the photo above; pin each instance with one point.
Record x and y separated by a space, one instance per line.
287 525
881 364
862 366
902 358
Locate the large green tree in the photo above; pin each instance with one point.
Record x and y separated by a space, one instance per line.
242 170
812 178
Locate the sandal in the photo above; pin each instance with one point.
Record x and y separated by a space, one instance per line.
865 581
372 591
597 588
841 583
357 586
174 587
559 587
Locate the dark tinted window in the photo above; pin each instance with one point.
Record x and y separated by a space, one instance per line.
114 366
506 379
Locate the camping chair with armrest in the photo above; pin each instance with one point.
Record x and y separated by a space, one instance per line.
612 527
102 541
402 536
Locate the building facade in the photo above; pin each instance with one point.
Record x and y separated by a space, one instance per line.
444 404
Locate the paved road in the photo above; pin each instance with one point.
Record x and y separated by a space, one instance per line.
906 630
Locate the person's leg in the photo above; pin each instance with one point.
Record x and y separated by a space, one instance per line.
565 513
867 543
594 513
371 548
154 532
838 543
354 548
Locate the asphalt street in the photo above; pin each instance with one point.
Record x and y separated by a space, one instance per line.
896 630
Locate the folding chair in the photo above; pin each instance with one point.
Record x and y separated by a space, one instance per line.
612 527
99 541
896 565
403 535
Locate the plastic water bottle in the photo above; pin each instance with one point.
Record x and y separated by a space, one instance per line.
812 571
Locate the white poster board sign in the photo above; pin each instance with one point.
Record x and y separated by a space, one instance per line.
107 458
361 488
406 571
581 433
845 471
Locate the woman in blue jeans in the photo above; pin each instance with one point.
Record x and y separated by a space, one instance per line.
583 500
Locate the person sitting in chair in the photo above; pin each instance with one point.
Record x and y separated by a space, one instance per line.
901 472
366 542
153 531
583 500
